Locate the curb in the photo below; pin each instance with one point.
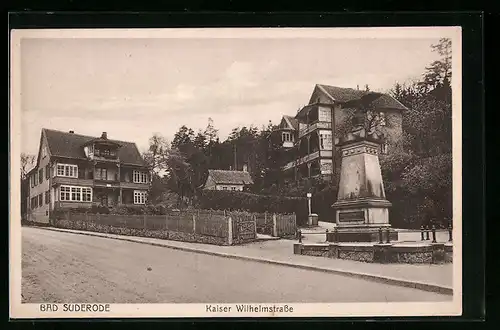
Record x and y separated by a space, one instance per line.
374 278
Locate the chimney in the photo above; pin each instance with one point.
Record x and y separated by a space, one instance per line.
72 132
104 136
357 87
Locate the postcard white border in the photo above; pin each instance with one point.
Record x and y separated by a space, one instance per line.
450 308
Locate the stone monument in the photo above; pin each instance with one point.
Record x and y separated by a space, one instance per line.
361 208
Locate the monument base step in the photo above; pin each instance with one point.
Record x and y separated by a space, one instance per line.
361 235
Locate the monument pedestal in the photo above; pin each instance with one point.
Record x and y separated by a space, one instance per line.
361 208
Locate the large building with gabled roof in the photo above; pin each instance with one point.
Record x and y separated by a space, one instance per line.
311 135
78 171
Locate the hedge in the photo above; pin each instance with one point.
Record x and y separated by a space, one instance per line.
236 200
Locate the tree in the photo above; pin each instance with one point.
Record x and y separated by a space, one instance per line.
27 161
439 71
154 156
183 138
417 177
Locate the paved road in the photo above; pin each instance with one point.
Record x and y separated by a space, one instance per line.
61 267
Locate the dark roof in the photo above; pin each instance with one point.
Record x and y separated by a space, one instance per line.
294 123
230 177
341 94
70 145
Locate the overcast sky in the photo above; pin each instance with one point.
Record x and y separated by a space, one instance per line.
132 88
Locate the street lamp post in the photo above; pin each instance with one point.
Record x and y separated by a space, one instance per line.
309 195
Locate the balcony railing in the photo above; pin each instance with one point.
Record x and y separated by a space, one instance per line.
314 126
300 161
71 181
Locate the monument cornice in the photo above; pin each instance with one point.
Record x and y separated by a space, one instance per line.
362 202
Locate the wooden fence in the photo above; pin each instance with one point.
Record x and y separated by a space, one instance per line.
264 223
244 225
286 225
203 223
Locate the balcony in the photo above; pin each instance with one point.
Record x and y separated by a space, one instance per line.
57 180
110 156
308 158
133 185
114 183
300 161
314 126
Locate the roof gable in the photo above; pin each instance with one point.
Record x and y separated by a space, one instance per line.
70 145
230 177
341 94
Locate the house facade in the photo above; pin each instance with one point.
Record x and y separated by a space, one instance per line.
311 135
74 170
227 180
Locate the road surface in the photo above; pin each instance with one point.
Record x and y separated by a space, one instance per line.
61 267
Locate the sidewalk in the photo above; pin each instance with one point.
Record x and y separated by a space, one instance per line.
435 278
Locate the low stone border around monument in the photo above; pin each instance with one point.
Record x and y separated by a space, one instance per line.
433 253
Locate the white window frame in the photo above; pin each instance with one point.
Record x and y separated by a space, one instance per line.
140 176
140 197
384 148
67 170
381 116
75 194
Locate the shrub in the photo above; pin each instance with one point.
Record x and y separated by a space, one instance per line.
233 200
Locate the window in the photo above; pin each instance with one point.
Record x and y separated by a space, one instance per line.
32 181
224 188
87 194
325 141
75 194
325 114
287 137
67 170
140 177
47 172
33 202
44 152
233 188
101 173
65 193
384 148
40 175
139 197
47 197
35 178
381 117
40 200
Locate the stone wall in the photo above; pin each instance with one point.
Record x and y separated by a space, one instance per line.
141 232
379 253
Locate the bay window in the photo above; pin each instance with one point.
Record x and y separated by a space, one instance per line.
67 170
140 177
139 197
75 194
